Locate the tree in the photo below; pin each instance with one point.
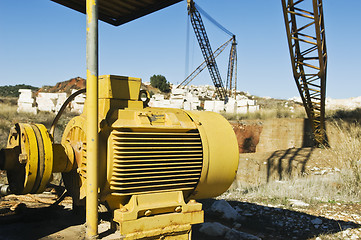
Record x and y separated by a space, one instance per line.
160 82
13 91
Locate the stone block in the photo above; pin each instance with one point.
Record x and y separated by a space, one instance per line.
209 105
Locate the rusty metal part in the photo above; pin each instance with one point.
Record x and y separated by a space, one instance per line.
307 45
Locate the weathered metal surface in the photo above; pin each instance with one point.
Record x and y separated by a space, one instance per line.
150 161
165 215
306 39
92 117
117 12
28 158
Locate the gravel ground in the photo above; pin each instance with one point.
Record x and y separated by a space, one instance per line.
243 219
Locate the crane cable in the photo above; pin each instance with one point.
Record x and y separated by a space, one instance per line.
212 20
186 70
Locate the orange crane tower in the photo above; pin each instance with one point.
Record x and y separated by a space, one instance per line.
307 44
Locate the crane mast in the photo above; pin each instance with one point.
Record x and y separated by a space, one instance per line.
307 45
231 83
204 44
203 65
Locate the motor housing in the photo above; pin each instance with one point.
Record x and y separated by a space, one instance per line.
153 162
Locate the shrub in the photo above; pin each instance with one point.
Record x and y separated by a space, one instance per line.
160 82
13 91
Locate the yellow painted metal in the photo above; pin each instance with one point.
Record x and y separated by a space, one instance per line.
118 92
75 136
221 154
149 161
92 118
29 158
158 214
64 158
48 157
119 87
29 149
92 155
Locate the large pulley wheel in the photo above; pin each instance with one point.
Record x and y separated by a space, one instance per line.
75 180
34 165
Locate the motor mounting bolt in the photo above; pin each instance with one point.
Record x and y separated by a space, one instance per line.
192 201
23 158
124 209
147 213
178 209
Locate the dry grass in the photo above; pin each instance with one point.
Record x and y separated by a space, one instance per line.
9 116
310 189
347 151
343 186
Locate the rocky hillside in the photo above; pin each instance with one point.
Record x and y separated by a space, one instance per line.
66 86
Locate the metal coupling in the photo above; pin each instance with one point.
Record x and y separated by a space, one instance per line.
4 190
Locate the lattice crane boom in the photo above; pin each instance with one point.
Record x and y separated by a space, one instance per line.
231 83
203 65
307 45
206 49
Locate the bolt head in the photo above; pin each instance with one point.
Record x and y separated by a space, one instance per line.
178 209
147 213
124 209
23 158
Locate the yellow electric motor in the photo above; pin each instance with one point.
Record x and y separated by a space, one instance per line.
153 162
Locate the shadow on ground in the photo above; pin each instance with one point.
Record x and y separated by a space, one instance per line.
39 223
273 223
264 222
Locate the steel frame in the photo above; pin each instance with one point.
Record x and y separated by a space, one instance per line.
307 46
231 82
206 49
203 65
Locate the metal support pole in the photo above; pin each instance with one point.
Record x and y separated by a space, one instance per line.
92 118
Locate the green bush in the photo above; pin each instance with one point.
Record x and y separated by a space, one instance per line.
160 82
13 91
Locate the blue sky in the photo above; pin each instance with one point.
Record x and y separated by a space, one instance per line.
42 43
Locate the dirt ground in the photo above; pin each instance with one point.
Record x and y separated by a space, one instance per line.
33 217
247 133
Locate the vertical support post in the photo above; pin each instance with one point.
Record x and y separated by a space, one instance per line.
92 118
